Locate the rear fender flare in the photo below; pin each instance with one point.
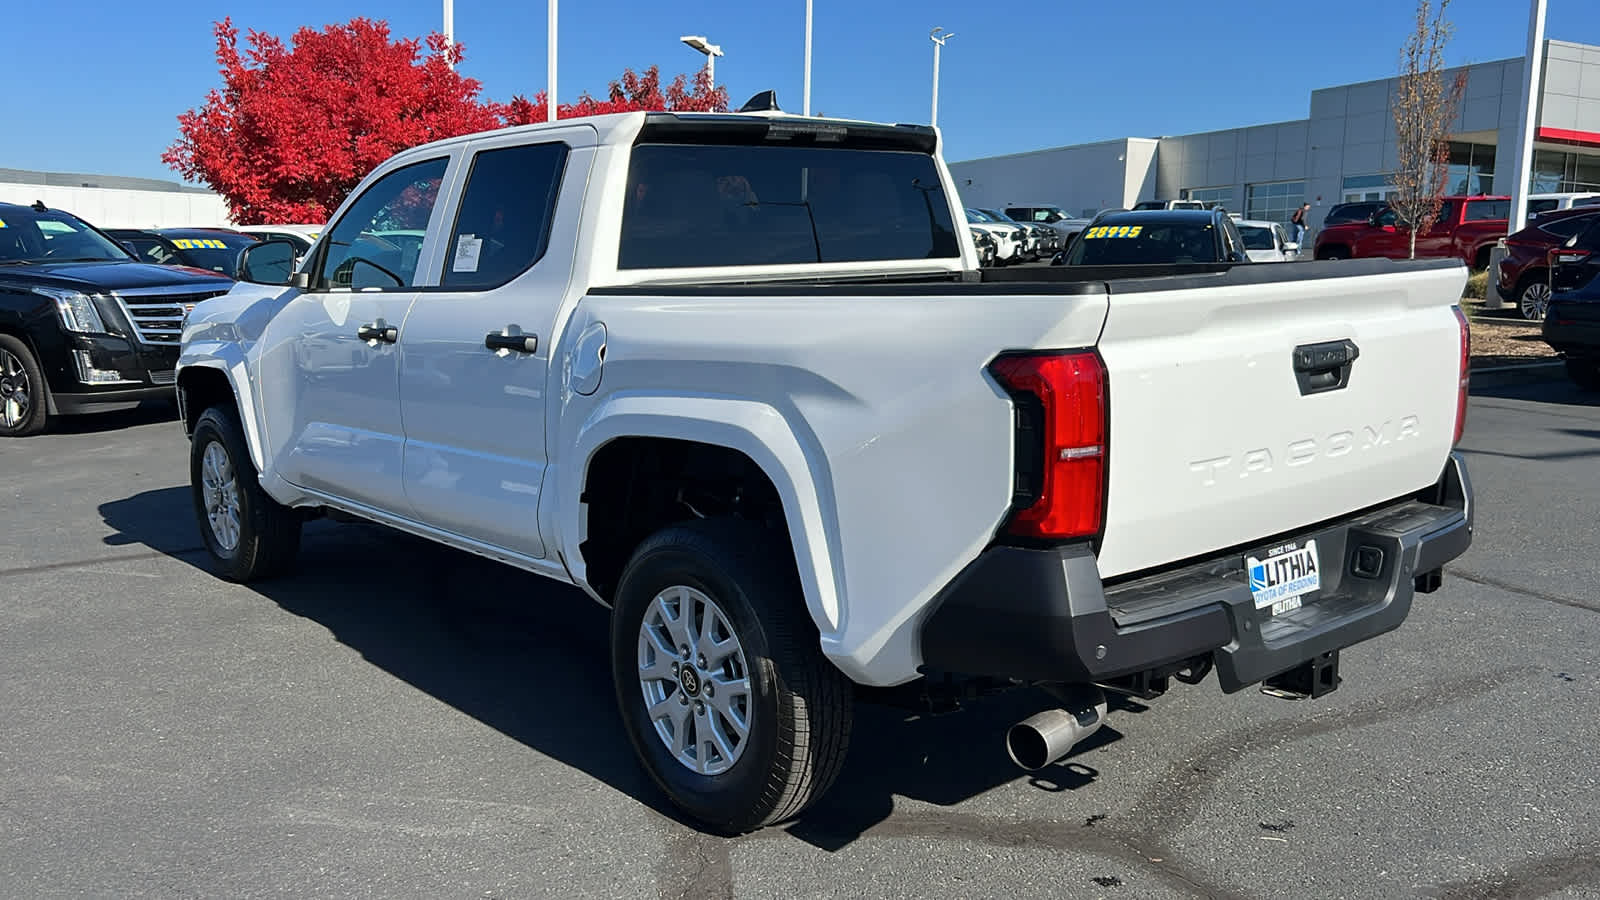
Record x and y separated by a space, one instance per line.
796 468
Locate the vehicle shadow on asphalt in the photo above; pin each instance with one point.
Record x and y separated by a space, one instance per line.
1542 391
492 642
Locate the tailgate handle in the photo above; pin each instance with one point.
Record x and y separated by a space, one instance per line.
1324 367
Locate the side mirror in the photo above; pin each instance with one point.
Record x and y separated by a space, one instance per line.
128 246
269 262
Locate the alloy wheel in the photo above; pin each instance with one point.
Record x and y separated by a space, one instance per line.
1535 300
220 488
695 680
16 395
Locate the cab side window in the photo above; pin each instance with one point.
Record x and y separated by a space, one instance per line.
378 242
507 208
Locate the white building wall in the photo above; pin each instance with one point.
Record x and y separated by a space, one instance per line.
1088 177
124 208
1140 177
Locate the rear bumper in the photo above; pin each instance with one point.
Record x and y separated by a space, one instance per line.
1573 329
1044 614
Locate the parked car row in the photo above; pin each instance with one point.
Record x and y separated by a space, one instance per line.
85 324
90 317
1167 236
1572 315
1014 241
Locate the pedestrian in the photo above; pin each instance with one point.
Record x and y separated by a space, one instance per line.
1297 224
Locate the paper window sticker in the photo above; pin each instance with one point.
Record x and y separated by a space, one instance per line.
468 247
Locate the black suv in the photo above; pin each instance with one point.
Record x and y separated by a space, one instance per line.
83 325
212 249
1157 237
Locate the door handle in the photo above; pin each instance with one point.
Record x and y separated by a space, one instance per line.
516 343
378 331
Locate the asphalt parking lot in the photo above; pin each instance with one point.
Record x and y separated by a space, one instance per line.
402 720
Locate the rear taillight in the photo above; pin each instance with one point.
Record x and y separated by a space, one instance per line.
1062 429
1465 374
1567 257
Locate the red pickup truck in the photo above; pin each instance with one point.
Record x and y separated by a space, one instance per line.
1467 229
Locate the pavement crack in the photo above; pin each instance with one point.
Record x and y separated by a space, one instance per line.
1023 835
1540 876
1489 581
1173 801
698 866
99 560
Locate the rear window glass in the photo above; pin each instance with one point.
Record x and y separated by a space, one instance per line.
1141 244
506 212
1589 239
1539 206
699 205
1257 237
1487 210
1569 226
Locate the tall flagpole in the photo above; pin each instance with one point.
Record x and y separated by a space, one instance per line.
550 74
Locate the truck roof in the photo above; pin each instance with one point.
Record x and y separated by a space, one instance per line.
614 128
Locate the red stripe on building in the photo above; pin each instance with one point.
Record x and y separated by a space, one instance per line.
1569 136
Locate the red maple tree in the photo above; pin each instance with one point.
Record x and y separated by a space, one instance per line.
294 128
631 93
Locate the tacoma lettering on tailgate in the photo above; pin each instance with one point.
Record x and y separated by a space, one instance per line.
1264 460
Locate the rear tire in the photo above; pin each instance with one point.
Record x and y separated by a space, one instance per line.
1585 373
1533 297
23 402
796 706
250 536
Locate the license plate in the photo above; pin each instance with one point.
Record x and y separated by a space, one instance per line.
1286 574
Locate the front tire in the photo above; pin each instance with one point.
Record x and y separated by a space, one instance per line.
22 399
1585 373
723 689
250 535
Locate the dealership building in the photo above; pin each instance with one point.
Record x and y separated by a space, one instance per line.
1341 152
115 201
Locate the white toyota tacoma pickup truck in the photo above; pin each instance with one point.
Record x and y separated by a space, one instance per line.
740 378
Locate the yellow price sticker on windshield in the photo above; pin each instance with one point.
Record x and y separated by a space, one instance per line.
199 244
2 223
1113 231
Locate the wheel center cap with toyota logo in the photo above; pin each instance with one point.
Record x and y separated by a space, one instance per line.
690 680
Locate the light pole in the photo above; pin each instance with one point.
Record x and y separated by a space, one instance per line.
550 69
712 51
938 44
449 29
1528 125
805 92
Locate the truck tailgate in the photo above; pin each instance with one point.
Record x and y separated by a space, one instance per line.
1217 441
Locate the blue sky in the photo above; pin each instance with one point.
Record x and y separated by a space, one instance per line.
109 79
